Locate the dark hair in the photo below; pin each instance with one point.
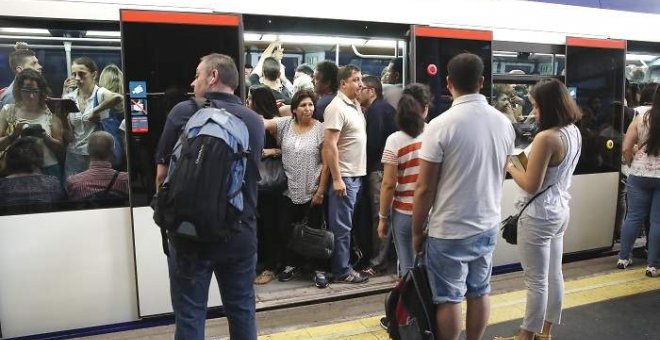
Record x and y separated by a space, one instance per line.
263 101
346 72
556 106
409 111
632 90
226 67
465 71
396 65
30 74
25 155
306 69
328 72
648 91
248 66
100 146
271 68
298 97
18 56
87 62
653 141
374 83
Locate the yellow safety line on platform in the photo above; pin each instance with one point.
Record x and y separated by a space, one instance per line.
504 307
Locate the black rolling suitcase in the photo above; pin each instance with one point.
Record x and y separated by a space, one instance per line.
409 307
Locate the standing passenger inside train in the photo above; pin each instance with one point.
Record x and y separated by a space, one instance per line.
233 261
345 153
93 104
301 138
641 150
112 78
261 100
392 79
462 161
552 161
20 59
30 116
326 85
380 125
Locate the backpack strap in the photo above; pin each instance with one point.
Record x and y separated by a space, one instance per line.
112 182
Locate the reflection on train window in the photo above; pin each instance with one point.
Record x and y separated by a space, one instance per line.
514 102
527 63
642 67
61 109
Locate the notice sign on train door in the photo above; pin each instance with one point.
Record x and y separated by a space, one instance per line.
139 109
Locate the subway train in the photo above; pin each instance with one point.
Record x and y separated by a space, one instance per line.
78 268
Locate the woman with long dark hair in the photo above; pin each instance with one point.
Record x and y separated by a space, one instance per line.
552 160
641 150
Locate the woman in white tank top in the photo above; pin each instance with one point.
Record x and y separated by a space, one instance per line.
552 160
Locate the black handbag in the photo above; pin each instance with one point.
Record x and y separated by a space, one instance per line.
311 242
272 175
510 224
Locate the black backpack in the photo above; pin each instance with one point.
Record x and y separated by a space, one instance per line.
201 199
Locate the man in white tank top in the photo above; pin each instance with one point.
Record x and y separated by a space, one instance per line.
463 157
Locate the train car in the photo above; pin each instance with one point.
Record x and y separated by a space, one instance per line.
75 268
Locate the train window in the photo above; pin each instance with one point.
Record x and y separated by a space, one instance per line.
528 63
642 67
514 102
53 80
596 77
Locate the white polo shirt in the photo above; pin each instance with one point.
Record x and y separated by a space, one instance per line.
472 141
345 116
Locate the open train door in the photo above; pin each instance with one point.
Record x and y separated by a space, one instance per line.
431 50
160 53
595 78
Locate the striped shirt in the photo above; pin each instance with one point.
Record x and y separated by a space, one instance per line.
402 150
95 179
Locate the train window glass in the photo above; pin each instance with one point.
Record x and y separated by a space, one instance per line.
642 67
514 102
165 74
371 55
528 63
438 51
45 163
596 75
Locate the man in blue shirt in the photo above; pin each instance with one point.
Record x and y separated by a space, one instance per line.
233 261
325 85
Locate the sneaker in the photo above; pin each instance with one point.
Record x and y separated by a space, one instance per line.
287 274
652 271
353 277
384 322
320 280
623 264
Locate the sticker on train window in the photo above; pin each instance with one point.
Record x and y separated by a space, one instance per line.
137 89
138 107
139 125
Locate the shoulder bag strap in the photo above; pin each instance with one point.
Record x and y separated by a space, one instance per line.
533 198
112 182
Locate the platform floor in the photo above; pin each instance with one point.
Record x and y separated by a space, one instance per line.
601 302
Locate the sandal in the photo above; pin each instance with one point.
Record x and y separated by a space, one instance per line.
369 272
265 277
539 336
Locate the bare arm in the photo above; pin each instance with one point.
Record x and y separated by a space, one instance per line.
331 159
323 185
629 141
108 100
55 141
268 52
161 173
386 198
539 158
427 184
271 126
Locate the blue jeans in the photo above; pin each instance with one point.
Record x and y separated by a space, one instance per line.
402 233
190 277
643 200
460 268
340 222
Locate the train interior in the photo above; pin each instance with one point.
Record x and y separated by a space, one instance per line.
594 77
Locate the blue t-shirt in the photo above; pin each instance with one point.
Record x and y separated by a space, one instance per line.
243 243
320 106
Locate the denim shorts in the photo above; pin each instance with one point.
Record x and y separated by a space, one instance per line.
459 268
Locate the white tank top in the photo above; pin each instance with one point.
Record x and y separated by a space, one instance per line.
553 203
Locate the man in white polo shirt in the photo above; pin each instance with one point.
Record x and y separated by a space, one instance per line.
463 157
345 153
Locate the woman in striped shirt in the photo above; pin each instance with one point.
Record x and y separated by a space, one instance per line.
401 168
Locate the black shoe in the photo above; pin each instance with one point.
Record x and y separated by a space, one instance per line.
287 274
352 277
320 280
384 323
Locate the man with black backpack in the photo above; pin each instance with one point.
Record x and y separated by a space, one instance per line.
198 248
